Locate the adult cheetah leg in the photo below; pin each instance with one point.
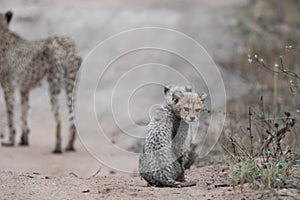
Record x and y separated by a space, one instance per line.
9 102
54 92
24 117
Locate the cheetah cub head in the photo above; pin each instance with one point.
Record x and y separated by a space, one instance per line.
5 20
184 102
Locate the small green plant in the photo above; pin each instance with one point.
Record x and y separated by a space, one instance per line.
264 160
245 171
272 174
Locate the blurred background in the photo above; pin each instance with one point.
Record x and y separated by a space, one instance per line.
229 30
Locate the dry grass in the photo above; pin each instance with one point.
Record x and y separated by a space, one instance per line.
261 136
261 157
262 149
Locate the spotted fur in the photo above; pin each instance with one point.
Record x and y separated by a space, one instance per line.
167 143
158 164
187 105
24 64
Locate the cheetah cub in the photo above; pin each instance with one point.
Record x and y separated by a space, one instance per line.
24 64
188 110
161 163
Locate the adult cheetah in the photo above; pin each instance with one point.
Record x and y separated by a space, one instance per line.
24 64
168 138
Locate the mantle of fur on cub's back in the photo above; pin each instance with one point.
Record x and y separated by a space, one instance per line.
158 164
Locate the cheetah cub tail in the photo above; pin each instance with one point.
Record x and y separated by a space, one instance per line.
188 184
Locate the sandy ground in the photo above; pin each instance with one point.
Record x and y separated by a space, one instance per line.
88 23
211 185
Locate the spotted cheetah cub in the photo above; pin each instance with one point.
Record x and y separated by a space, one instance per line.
188 109
160 164
24 64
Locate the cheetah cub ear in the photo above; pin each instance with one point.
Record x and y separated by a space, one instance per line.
188 88
203 96
8 16
167 88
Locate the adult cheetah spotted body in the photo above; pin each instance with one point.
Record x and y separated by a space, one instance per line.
24 64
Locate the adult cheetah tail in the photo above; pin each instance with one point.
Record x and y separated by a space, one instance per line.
71 64
71 79
79 61
70 88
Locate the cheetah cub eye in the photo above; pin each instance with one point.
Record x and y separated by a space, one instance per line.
186 103
175 100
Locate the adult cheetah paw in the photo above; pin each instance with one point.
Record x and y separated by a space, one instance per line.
7 144
57 151
70 148
23 142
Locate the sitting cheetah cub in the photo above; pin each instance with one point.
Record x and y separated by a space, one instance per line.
161 163
189 111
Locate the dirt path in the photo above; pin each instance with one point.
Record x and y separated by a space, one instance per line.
88 23
211 185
